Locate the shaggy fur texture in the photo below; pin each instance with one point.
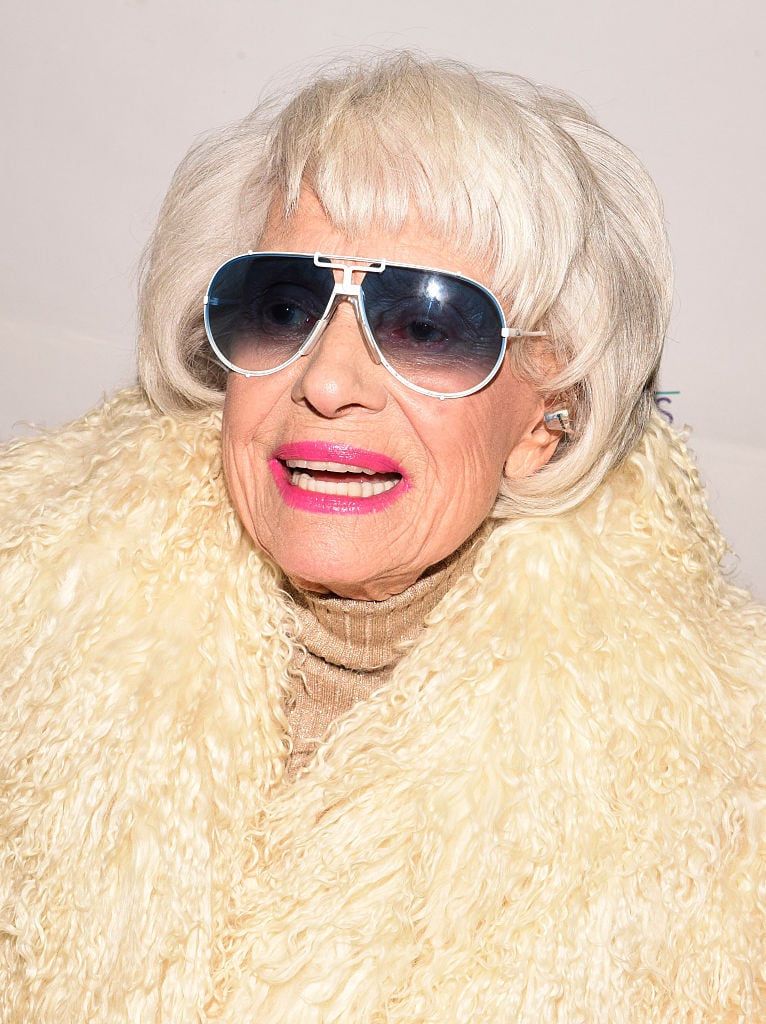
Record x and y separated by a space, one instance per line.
555 811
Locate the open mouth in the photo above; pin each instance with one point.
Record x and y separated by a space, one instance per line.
332 477
336 478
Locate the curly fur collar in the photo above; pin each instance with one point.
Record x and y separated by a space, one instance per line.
554 812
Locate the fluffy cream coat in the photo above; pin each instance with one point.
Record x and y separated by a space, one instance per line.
555 812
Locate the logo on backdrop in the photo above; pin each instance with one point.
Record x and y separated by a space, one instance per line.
664 402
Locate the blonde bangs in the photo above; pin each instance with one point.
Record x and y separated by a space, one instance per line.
455 149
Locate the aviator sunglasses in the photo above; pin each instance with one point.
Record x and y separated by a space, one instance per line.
438 333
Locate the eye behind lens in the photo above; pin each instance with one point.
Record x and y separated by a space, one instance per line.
262 308
437 331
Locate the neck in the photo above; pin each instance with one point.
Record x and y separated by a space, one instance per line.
350 648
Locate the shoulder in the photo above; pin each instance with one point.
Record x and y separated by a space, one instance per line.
115 455
118 550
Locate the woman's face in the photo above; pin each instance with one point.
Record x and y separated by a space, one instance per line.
435 466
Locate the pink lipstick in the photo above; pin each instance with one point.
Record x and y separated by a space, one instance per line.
317 476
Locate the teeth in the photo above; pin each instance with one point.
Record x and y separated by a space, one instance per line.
351 489
331 467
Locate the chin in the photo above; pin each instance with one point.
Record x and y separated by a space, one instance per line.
349 584
358 590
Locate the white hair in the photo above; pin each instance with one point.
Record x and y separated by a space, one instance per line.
519 176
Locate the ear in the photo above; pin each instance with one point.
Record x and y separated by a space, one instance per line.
535 448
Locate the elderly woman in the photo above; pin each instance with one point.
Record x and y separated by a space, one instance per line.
372 662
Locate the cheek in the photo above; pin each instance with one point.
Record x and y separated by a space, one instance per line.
242 434
242 408
237 471
470 442
251 408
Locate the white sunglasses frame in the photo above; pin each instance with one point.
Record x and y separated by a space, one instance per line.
346 290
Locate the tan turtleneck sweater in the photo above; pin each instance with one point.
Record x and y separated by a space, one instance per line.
349 649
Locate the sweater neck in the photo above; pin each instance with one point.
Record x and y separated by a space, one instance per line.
350 648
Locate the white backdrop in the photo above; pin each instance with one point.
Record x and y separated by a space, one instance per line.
103 98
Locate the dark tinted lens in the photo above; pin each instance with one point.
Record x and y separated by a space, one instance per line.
261 309
440 332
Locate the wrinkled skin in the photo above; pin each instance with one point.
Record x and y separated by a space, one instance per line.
454 452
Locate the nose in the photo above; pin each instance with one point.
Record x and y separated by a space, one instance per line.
339 375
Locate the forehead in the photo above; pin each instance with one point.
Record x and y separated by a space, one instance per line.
309 229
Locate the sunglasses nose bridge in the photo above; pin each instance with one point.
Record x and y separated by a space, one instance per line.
351 293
